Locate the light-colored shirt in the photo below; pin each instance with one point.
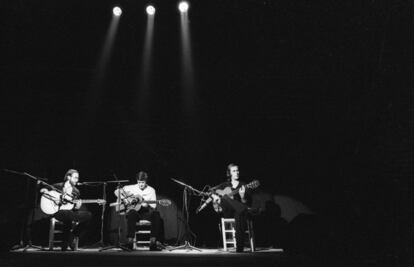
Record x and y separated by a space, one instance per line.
147 194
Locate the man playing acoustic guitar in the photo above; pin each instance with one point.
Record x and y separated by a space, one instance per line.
235 206
74 220
140 201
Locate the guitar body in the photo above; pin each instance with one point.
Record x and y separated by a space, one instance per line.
135 203
125 208
51 202
229 192
222 192
129 203
225 191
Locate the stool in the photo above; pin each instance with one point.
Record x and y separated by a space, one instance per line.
143 229
53 231
229 233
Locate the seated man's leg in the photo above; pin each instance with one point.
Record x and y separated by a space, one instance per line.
155 224
132 217
66 217
232 204
154 217
82 219
239 211
240 227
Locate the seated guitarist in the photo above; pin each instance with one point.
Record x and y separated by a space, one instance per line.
235 207
141 191
74 220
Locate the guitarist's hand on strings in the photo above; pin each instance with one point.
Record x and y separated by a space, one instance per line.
43 190
140 200
216 198
242 193
78 204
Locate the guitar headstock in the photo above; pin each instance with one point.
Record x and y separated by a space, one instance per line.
101 201
253 184
164 202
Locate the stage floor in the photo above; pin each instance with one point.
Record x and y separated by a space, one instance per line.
167 251
143 257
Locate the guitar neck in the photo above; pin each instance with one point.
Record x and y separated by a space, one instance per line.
88 200
150 201
235 191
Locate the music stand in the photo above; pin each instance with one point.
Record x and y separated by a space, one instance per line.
118 244
187 246
100 243
26 227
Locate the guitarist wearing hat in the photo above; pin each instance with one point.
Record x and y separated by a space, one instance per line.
74 219
234 206
135 200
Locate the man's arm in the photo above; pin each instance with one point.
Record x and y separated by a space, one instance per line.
78 204
245 195
242 193
152 196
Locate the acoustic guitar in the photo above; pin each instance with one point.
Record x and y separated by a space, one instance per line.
228 191
135 203
52 201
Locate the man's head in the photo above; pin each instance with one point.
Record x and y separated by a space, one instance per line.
72 176
232 171
142 178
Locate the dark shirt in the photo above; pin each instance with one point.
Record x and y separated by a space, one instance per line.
75 190
236 196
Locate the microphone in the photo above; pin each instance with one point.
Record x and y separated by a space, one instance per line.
204 204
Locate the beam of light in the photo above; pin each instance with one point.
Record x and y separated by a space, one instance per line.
117 11
97 86
189 92
143 96
183 6
186 53
192 134
150 10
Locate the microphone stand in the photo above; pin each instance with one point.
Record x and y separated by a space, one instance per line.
118 244
100 243
188 233
26 225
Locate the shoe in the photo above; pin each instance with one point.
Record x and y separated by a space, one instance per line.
130 243
74 244
240 249
153 244
65 243
155 248
64 247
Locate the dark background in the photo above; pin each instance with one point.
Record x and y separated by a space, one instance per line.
313 98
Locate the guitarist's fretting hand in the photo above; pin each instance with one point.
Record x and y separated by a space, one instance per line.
242 193
78 204
43 190
216 198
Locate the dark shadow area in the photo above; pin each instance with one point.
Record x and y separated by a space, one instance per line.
314 99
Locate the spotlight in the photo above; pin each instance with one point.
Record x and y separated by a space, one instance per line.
117 11
183 6
150 10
